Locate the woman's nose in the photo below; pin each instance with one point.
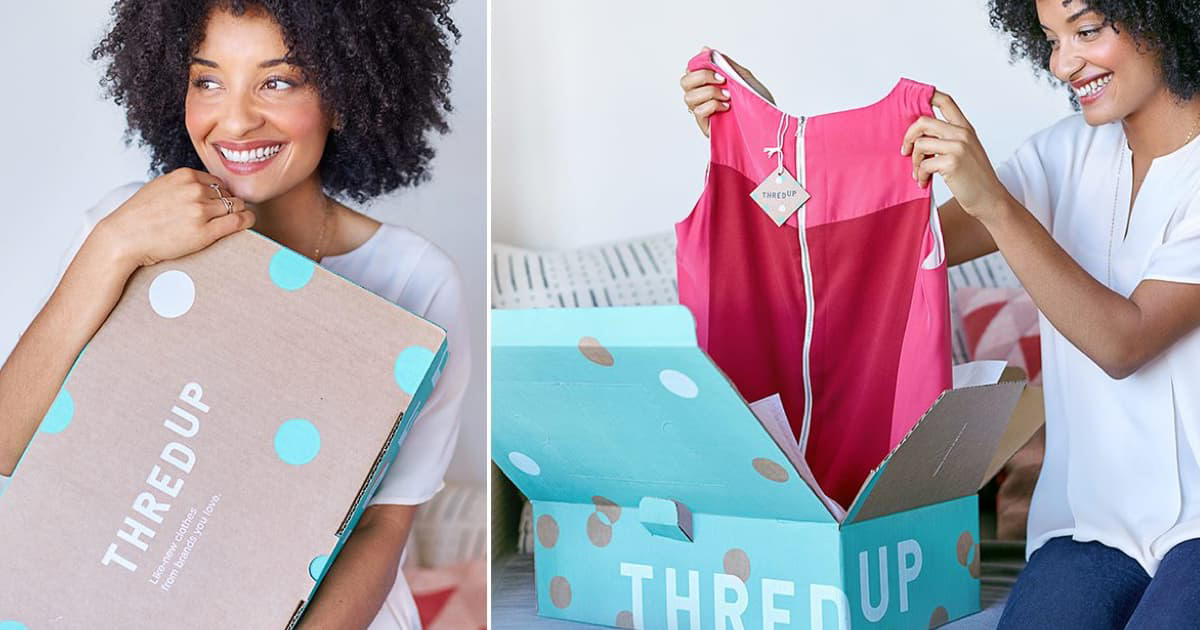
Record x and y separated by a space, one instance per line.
241 114
1065 63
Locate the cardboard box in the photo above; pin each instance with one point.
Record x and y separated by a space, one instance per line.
212 447
661 501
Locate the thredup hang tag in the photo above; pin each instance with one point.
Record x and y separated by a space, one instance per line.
779 195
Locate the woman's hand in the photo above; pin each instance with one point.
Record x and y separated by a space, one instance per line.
172 216
951 149
704 92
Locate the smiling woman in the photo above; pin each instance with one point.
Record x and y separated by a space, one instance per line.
1099 218
273 115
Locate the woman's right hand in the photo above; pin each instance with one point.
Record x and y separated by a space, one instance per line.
174 215
705 94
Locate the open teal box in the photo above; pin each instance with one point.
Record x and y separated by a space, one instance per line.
661 501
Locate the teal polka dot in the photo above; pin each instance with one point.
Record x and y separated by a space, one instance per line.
58 416
289 270
315 568
12 625
411 366
297 441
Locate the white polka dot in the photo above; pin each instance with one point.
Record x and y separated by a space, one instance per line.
525 463
678 383
172 293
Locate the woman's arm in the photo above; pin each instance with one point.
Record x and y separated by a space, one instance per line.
38 364
1119 334
358 582
965 237
174 215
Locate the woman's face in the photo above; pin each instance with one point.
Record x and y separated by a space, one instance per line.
251 117
1110 76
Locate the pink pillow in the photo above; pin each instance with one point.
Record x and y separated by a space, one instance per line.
1001 323
451 598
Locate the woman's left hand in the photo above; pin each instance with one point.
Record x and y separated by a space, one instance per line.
951 149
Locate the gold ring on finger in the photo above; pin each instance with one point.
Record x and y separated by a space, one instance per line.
224 200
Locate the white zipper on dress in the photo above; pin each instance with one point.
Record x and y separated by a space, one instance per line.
809 301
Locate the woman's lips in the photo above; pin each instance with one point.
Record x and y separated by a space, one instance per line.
1092 91
251 166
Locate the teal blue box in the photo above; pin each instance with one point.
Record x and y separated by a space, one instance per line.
661 501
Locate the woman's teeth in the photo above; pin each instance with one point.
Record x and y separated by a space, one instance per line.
1094 86
253 155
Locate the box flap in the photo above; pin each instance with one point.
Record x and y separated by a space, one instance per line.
620 403
1028 416
945 453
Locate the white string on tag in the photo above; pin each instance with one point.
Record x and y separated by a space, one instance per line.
779 135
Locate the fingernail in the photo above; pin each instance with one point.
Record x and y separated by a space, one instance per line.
725 104
718 77
725 93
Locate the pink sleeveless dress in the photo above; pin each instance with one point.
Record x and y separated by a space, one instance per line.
843 309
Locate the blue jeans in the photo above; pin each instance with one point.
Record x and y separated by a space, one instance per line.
1070 584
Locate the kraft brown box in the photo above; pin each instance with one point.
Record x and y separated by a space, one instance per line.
212 447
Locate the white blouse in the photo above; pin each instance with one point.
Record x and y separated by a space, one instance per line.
405 268
1121 464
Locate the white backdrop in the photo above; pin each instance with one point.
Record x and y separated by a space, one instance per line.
590 138
63 151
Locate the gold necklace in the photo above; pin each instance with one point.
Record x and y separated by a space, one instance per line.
329 210
1192 133
1112 228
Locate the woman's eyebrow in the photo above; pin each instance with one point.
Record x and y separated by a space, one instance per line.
1073 17
1080 12
212 64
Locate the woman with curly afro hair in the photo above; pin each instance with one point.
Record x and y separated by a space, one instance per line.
1099 217
262 114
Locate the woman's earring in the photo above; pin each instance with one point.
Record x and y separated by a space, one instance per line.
336 125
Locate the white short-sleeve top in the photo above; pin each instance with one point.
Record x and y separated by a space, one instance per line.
405 268
1121 464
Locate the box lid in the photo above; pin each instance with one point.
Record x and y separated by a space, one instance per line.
615 404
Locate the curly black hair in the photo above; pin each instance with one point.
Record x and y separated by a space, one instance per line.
1169 28
381 67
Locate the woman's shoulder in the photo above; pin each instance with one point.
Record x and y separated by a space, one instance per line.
400 265
1072 135
416 249
109 202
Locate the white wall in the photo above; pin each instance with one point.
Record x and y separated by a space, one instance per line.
63 151
592 142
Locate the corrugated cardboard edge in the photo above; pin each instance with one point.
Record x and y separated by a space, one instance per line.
387 450
920 471
387 454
